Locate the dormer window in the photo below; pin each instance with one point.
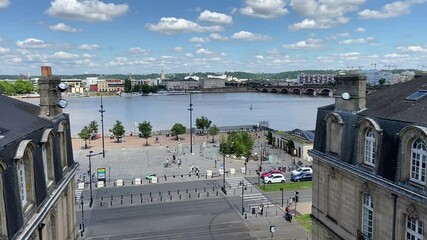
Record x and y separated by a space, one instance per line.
418 161
369 157
369 136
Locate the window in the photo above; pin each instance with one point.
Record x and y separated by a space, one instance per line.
22 181
63 145
333 133
418 161
47 156
367 216
369 148
414 229
24 168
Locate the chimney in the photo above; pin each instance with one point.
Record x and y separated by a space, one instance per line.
351 93
49 93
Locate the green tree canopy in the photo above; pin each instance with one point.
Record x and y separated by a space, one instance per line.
118 130
128 85
178 129
85 134
238 143
203 123
270 137
93 125
7 88
23 87
145 129
213 130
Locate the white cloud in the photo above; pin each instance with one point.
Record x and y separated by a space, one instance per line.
61 27
215 17
88 47
88 10
171 25
390 10
414 49
323 13
395 55
199 40
178 49
360 29
248 36
354 41
217 36
4 50
138 51
310 43
64 55
204 51
190 55
31 43
350 55
119 61
4 3
266 9
259 57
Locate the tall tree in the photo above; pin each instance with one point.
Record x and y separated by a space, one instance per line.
213 130
145 129
270 137
239 143
203 123
93 125
85 134
118 130
128 85
178 129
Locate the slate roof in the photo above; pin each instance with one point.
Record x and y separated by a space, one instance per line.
390 103
17 119
308 135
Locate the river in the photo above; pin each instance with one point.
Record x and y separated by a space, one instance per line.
281 111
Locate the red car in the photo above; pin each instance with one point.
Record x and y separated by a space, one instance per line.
270 172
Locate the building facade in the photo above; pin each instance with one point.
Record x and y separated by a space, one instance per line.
369 163
302 141
111 85
212 83
36 167
184 84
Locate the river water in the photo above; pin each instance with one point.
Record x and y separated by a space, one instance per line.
281 111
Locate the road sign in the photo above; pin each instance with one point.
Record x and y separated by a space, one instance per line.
272 229
101 174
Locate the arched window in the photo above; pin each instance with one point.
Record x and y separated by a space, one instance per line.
367 216
24 165
334 125
63 145
369 156
418 161
47 156
3 220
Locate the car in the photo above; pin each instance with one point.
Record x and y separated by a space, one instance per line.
150 176
275 178
270 172
302 177
302 170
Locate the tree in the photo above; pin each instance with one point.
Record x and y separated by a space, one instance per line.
7 88
145 129
213 130
22 87
203 123
85 134
270 137
93 126
381 81
178 129
128 85
239 143
118 130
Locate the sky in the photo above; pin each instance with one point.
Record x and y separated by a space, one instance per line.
186 36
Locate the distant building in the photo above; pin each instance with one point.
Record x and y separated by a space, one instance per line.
74 85
182 84
302 140
373 77
37 168
369 163
212 83
315 78
111 85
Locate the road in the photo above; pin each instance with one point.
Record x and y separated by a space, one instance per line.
184 210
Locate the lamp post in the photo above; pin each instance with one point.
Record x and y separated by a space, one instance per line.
90 174
191 125
222 147
281 189
83 217
243 195
102 127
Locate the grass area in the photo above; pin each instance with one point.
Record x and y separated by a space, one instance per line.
305 221
289 186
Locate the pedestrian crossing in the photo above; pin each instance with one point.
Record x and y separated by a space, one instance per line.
256 199
236 182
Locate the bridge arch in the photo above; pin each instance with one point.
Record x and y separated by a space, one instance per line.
296 91
309 91
274 90
284 90
325 91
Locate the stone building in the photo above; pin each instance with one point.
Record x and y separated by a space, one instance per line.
207 83
181 84
36 166
302 140
369 163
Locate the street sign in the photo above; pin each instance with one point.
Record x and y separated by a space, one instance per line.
101 174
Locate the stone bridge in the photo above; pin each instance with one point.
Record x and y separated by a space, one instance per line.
306 90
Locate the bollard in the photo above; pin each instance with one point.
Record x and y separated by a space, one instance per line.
180 196
121 202
186 190
246 216
131 182
173 176
161 198
121 196
182 175
141 199
111 203
165 178
114 184
198 195
266 212
207 194
151 198
131 201
206 176
169 192
189 195
140 195
204 189
131 195
171 197
177 191
149 181
157 180
213 189
189 175
217 193
102 198
160 193
100 204
195 190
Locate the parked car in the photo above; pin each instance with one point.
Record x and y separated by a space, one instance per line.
150 176
275 178
270 172
302 177
302 170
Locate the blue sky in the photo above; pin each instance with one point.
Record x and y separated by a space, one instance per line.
147 36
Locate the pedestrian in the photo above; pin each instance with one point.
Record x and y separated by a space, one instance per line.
192 167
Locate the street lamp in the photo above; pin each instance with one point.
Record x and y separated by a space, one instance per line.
260 168
90 174
83 218
102 127
281 189
222 148
191 125
243 194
